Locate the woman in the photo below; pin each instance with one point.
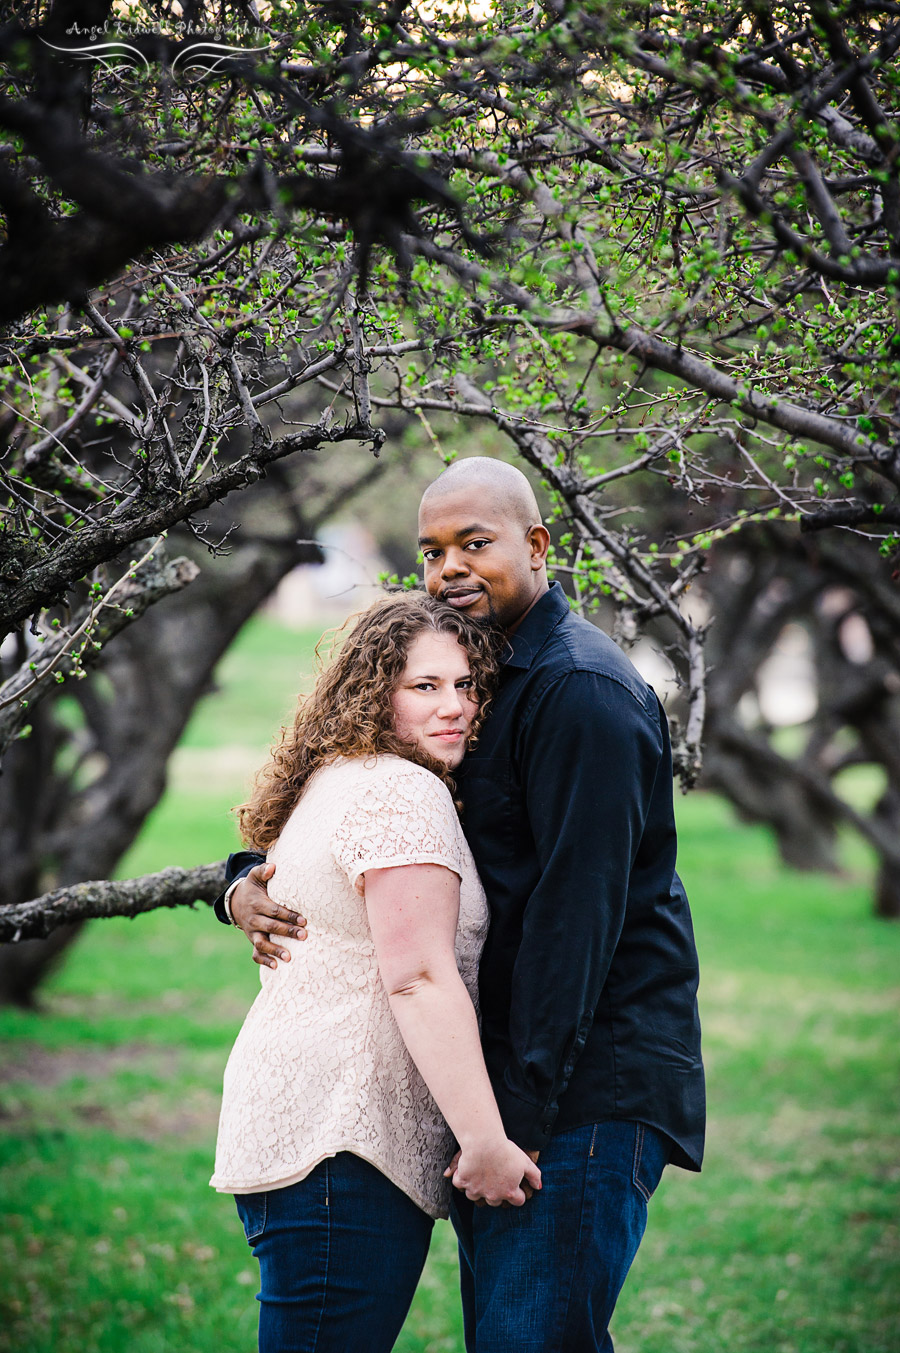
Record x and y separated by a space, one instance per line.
336 1150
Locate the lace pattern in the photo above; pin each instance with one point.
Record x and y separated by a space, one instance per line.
319 1065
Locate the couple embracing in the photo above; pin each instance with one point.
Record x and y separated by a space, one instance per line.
473 809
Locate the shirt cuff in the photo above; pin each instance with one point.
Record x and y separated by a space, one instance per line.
527 1124
226 901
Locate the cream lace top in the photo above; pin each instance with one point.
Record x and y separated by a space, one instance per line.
319 1065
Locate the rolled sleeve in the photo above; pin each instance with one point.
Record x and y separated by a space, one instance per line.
238 866
590 751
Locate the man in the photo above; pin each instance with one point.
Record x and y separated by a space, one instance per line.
588 980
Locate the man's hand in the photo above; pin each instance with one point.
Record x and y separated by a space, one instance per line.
525 1184
481 1202
259 917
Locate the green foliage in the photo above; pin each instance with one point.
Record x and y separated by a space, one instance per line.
112 1238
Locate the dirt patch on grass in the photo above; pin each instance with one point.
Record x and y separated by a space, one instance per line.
42 1066
168 1092
151 1117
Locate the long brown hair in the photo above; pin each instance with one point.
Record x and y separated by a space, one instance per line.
349 711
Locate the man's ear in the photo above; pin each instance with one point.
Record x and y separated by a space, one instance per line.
538 538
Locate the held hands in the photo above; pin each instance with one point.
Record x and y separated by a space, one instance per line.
260 918
495 1173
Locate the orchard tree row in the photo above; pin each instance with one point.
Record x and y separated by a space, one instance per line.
651 252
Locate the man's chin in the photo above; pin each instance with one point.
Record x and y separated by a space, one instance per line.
481 609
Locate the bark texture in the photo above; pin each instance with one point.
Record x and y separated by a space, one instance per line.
131 897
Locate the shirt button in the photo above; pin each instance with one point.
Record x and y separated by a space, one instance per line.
545 1127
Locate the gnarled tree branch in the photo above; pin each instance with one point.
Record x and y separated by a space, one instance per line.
128 897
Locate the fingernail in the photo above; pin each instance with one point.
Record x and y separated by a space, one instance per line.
285 955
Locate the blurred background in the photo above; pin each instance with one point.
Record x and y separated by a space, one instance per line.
112 1239
274 350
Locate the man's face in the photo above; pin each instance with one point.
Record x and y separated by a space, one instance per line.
478 559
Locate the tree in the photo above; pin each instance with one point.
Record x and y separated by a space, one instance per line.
115 436
654 252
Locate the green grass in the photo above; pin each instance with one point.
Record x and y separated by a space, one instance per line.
787 1243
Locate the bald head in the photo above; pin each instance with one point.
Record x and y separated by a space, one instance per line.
483 542
491 482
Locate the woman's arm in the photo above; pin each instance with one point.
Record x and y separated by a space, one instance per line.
413 911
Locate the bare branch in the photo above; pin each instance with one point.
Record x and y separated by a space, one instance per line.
45 582
128 897
69 652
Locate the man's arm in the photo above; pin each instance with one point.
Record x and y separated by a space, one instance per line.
237 866
589 757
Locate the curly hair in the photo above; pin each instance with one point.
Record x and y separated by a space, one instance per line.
349 711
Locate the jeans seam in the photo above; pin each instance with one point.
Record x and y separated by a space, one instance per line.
638 1152
257 1235
572 1271
327 1164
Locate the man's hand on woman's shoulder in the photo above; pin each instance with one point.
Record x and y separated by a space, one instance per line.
254 912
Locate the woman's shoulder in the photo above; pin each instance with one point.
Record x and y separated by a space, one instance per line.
386 781
386 768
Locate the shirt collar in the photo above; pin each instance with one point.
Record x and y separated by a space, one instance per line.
523 646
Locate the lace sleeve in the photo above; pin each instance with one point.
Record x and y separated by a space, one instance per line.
402 815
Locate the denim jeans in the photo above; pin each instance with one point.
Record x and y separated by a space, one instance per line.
339 1255
544 1278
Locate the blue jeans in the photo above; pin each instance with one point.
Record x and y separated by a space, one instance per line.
339 1255
544 1278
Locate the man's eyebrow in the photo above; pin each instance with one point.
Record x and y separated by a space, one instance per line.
475 529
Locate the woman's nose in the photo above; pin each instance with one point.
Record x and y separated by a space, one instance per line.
451 704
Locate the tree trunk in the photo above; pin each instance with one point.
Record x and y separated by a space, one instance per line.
887 884
24 966
60 827
805 834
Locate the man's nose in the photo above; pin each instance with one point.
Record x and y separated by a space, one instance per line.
454 564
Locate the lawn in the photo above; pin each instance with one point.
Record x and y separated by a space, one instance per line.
787 1243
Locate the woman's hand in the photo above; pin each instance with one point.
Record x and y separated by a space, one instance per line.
496 1172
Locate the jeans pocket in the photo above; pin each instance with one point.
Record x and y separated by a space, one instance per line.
252 1212
651 1153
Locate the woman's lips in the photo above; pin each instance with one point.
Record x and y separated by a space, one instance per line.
451 735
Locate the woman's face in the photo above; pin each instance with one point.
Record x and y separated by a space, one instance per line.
434 702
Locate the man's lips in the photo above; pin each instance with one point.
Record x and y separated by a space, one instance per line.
461 597
449 734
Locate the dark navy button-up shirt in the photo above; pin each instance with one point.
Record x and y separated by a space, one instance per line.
588 980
